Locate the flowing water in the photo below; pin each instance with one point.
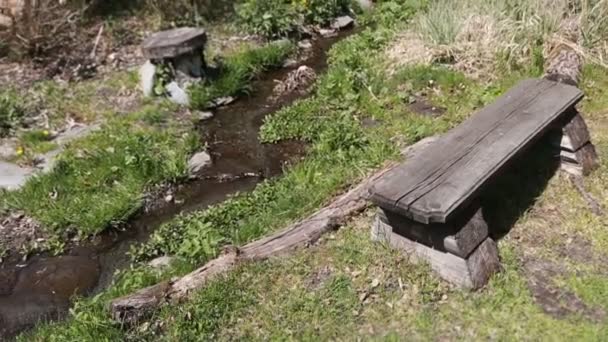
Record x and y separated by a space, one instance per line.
41 288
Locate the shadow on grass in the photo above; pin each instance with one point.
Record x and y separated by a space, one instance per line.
518 187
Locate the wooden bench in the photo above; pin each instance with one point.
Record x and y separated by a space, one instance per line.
429 205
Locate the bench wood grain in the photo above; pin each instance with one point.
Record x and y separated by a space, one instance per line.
436 185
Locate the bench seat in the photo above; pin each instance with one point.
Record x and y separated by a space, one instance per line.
438 183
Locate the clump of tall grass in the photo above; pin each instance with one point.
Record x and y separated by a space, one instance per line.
470 34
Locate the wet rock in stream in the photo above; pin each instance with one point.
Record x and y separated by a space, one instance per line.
198 162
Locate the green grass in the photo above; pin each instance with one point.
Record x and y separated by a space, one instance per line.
348 287
281 18
107 173
11 111
238 70
342 151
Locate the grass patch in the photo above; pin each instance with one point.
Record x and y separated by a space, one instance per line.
107 173
279 18
12 111
238 70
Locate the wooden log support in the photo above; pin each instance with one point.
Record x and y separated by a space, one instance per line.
577 153
470 271
459 237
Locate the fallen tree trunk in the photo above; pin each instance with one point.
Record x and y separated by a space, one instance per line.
132 308
578 153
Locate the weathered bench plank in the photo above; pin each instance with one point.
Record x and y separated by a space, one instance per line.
435 185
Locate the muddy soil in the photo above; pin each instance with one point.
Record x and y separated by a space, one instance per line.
41 288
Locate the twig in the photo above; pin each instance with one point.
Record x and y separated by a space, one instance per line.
97 41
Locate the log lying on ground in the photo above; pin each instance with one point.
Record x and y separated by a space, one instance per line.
578 155
135 307
564 64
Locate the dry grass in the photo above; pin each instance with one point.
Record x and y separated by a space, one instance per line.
470 34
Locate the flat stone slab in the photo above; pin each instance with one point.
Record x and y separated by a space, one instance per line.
174 43
12 176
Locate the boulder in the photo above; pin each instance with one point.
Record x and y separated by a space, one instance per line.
174 43
198 162
161 262
12 176
305 44
327 33
342 23
177 94
365 4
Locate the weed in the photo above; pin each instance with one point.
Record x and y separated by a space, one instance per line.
272 18
12 111
268 18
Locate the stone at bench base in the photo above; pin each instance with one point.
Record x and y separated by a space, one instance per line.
472 272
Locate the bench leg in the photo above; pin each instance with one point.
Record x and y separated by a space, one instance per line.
577 153
460 252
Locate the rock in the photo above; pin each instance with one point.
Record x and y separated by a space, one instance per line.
365 4
204 116
147 78
177 94
174 43
342 23
305 44
198 162
222 101
12 177
289 63
190 64
327 33
161 262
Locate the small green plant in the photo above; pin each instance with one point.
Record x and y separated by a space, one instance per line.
11 111
164 74
55 245
269 18
279 18
238 71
